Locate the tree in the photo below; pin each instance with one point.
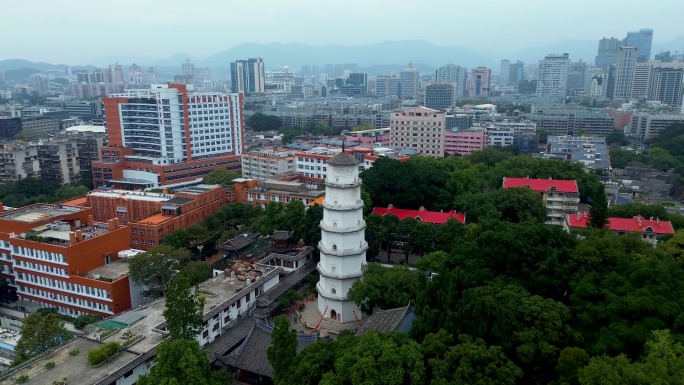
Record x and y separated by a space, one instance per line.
155 267
221 176
375 358
663 364
197 272
312 219
178 239
618 138
675 247
289 133
598 214
433 262
571 360
184 309
472 362
283 350
180 362
509 204
385 288
85 320
262 122
294 219
39 334
68 192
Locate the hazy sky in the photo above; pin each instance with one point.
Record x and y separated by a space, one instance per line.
81 31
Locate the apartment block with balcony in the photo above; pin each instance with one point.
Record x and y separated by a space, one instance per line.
421 129
59 162
267 161
18 161
54 250
561 197
313 164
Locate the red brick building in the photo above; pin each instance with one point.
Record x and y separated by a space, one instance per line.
56 251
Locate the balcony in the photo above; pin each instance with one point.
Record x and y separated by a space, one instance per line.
335 297
338 207
329 274
343 252
342 230
343 185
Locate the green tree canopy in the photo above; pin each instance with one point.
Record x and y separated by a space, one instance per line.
598 214
184 309
472 362
39 334
385 288
180 362
663 363
155 267
283 350
262 122
221 176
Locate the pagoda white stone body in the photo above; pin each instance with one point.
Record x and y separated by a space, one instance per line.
343 245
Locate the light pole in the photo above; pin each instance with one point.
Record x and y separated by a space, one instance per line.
200 247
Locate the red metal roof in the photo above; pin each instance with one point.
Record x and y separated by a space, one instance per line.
637 224
567 186
423 215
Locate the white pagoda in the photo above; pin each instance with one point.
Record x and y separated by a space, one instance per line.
343 245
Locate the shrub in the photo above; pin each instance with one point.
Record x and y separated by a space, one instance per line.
108 332
50 365
84 320
101 354
23 378
74 352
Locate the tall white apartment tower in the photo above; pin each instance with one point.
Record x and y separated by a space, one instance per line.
342 246
552 78
624 72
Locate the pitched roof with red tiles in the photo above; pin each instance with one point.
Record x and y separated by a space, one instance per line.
560 185
637 224
423 215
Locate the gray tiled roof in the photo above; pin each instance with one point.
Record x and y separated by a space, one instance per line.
343 159
251 355
399 319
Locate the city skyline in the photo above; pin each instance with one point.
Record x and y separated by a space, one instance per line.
220 31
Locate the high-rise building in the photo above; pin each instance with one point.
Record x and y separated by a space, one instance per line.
666 86
116 72
598 82
552 77
409 82
187 68
516 73
505 73
641 79
665 57
610 87
480 79
642 40
577 72
607 52
248 76
440 96
168 135
452 73
624 72
406 125
388 85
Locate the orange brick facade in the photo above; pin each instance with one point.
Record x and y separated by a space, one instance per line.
53 273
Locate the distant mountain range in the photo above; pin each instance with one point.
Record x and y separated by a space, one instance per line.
383 57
